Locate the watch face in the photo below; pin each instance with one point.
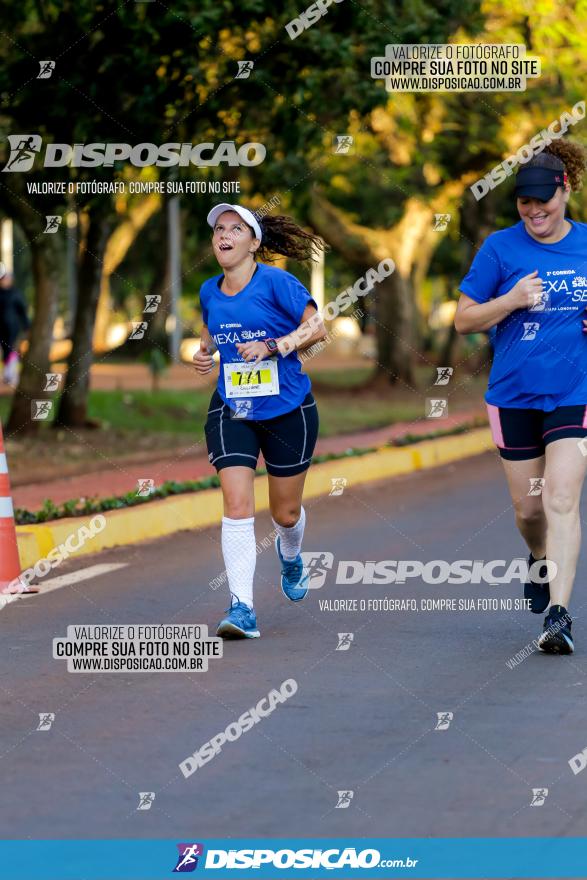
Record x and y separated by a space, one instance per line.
271 344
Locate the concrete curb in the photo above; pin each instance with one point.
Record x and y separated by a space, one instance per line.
200 509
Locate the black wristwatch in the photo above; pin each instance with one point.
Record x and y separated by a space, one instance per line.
271 346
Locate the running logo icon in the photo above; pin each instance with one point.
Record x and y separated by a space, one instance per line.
318 564
530 331
52 381
145 488
146 799
344 641
53 222
41 409
152 301
541 300
23 149
436 408
244 69
344 800
444 719
443 375
46 69
343 143
46 719
441 222
536 485
539 795
339 484
138 329
243 410
188 857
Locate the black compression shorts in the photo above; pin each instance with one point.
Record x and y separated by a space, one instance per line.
521 434
287 442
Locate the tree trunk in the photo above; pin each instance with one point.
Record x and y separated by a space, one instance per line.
119 243
393 298
394 330
160 286
36 362
73 403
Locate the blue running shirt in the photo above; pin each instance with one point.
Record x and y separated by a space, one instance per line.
270 306
540 354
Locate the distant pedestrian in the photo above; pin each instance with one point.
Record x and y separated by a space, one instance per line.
13 321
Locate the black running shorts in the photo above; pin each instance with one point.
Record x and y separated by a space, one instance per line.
287 442
521 434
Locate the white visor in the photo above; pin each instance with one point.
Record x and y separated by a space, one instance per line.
246 215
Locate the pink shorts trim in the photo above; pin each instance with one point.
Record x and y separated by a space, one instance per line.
564 427
495 425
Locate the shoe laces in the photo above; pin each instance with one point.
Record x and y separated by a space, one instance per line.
293 569
240 609
558 619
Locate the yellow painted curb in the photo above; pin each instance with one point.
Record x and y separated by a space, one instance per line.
197 510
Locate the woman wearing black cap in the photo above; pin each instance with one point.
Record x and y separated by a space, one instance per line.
529 282
263 401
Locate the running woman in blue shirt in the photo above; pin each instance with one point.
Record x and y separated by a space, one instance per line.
256 316
529 284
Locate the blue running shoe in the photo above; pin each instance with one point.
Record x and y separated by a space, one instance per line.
295 578
241 622
556 637
537 593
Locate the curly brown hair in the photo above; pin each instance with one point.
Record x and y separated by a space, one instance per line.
282 236
571 155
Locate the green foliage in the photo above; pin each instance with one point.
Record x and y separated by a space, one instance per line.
156 361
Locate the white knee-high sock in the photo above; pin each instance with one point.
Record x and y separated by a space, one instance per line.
290 537
240 556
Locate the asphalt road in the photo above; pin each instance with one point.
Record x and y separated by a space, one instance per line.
362 720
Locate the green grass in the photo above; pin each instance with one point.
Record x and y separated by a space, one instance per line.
184 412
4 408
342 378
170 412
340 415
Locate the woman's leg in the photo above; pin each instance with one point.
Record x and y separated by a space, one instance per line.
288 444
529 509
238 531
285 501
289 519
564 475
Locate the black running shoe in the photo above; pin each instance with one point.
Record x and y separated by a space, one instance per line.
557 638
537 593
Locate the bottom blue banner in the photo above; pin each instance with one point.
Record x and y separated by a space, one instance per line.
382 858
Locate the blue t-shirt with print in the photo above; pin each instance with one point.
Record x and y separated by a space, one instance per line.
540 353
270 306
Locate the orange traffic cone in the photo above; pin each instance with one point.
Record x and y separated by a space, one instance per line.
9 561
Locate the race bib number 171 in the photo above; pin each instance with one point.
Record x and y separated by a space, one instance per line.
245 380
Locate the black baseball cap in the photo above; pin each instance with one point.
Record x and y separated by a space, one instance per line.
536 182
